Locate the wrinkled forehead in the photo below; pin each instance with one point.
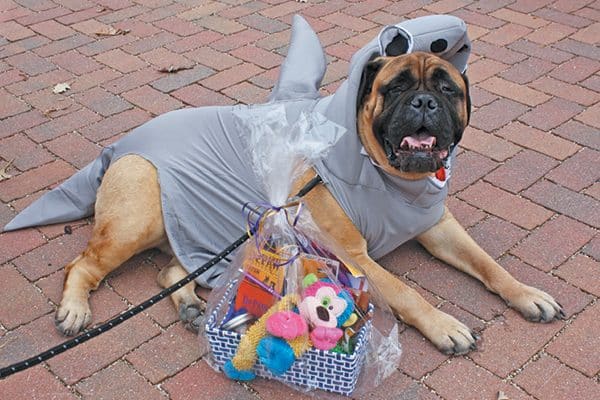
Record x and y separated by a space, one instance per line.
418 66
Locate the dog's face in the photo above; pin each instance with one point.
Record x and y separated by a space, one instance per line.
411 109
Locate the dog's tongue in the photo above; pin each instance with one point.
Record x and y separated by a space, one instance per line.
418 141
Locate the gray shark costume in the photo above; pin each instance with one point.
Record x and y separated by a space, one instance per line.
204 169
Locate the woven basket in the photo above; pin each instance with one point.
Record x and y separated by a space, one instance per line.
316 369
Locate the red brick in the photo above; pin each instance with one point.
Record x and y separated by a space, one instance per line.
34 180
488 145
588 35
51 104
528 70
159 13
21 301
461 379
102 102
150 43
83 14
96 354
258 56
510 342
583 272
162 58
75 62
506 34
171 82
125 11
199 96
496 236
121 61
115 124
202 11
93 79
108 43
553 243
166 354
212 58
247 93
152 100
136 281
446 6
230 77
133 80
137 28
575 172
408 256
536 50
480 97
396 386
116 382
471 17
9 105
505 205
178 26
591 116
498 53
546 378
576 347
62 125
419 356
238 39
60 46
458 288
74 148
11 76
283 9
497 114
201 381
193 42
593 191
49 9
29 340
14 31
538 140
566 91
343 20
30 63
572 20
550 33
527 6
572 299
26 153
465 214
221 25
565 201
52 29
521 171
551 114
469 168
52 256
592 83
519 18
262 23
576 69
35 383
12 11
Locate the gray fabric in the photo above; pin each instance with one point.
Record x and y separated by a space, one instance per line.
204 170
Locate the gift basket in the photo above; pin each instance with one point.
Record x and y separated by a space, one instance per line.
293 306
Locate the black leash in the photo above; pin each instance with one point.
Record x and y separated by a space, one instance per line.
124 316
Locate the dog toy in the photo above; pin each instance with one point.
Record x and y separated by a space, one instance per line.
277 339
326 307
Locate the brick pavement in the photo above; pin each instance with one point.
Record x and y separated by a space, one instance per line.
526 185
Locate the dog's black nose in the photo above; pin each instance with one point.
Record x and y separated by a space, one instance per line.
424 102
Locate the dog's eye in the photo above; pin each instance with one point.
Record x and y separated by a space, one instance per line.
446 89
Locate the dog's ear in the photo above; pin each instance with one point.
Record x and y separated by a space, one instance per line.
467 96
468 105
369 73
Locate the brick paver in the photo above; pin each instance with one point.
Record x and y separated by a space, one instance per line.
525 184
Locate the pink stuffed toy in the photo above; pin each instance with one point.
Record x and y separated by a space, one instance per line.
326 307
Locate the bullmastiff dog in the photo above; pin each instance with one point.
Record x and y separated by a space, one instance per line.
411 109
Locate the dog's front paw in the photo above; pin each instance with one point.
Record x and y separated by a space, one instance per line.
449 335
72 316
535 305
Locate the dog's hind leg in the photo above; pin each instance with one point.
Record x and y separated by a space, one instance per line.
186 301
128 220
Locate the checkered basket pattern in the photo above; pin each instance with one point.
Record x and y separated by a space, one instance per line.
316 369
